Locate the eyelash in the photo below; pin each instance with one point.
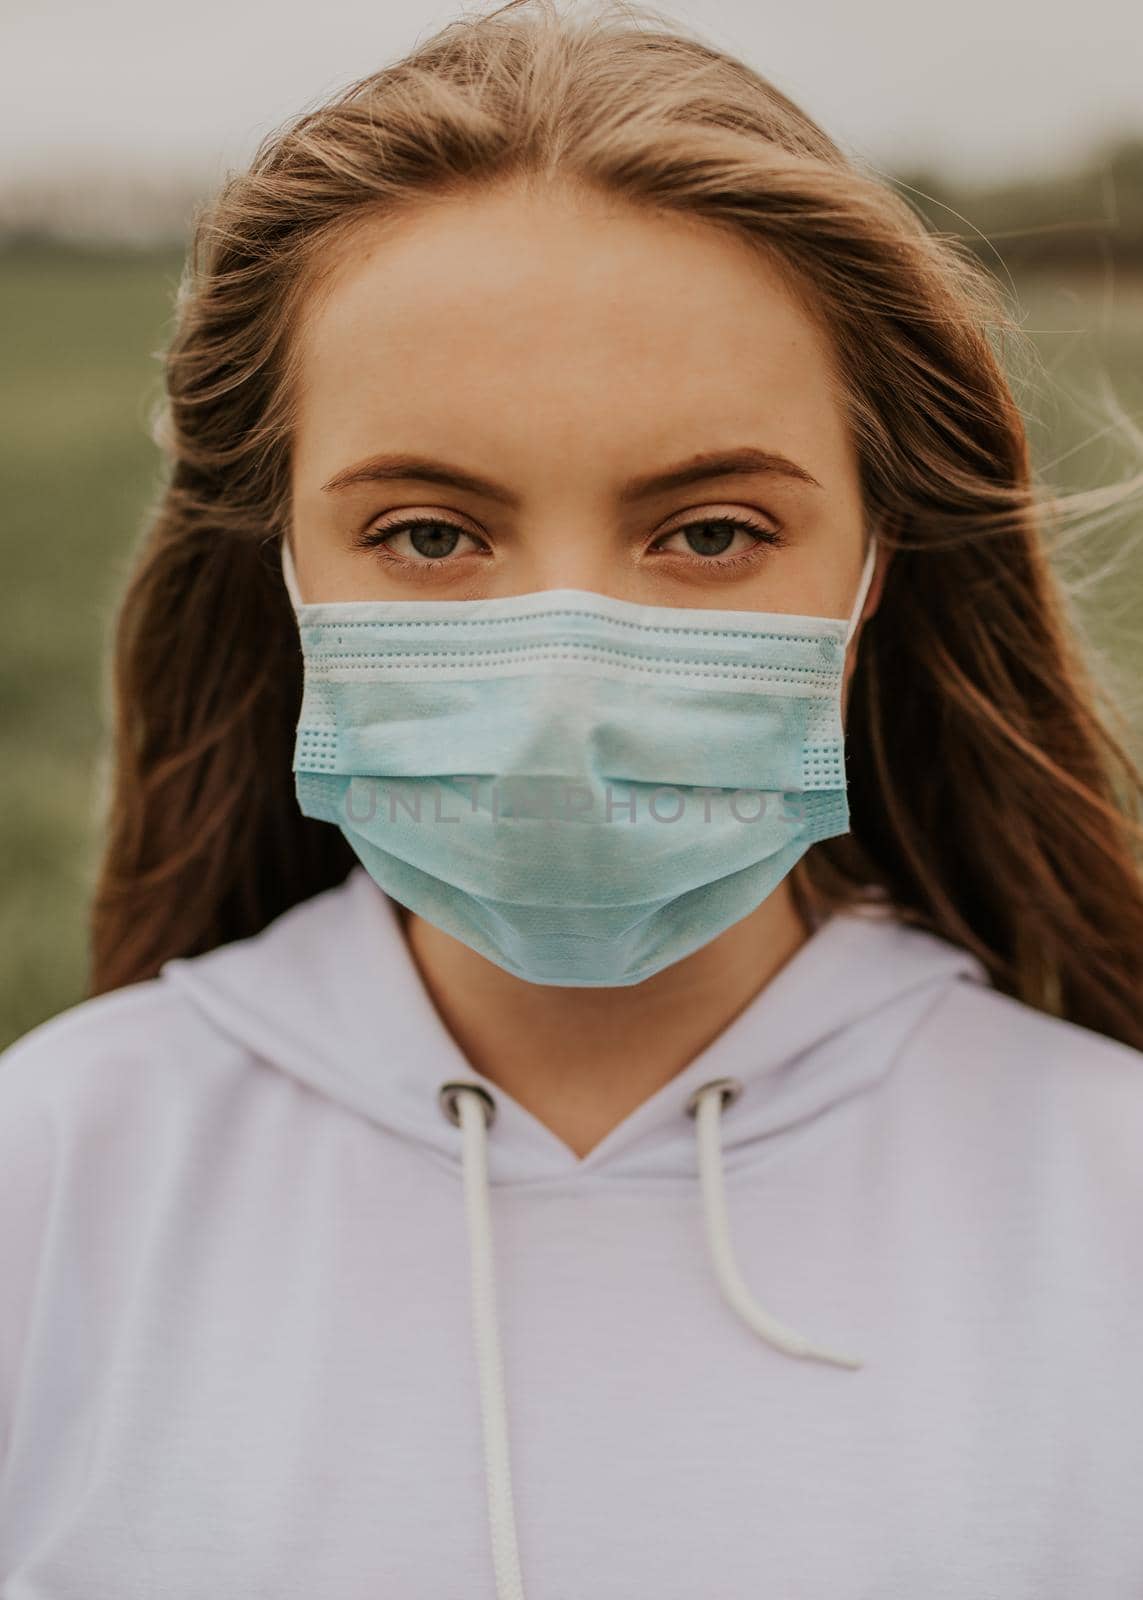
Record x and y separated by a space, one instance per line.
377 538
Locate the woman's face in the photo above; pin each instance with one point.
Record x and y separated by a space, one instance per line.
518 391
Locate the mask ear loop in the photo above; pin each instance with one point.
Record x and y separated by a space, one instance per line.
862 590
290 576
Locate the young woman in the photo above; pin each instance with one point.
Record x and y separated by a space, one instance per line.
565 440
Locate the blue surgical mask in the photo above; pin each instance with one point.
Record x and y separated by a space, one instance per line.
584 790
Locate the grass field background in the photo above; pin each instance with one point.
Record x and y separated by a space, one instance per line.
81 333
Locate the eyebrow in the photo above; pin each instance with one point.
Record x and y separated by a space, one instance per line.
747 461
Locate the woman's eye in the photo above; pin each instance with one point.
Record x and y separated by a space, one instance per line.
425 539
717 536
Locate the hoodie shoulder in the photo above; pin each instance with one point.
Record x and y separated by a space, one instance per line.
98 1049
978 1016
1002 1065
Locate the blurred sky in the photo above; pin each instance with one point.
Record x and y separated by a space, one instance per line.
981 87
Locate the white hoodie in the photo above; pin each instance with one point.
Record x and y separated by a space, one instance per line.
236 1337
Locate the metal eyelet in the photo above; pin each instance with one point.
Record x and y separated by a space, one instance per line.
447 1096
731 1089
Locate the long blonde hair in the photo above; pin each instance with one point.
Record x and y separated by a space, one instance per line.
990 798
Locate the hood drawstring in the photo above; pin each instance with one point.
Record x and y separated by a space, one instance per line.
470 1107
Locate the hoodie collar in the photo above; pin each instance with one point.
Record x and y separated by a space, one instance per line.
329 993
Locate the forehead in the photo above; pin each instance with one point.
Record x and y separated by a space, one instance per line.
565 310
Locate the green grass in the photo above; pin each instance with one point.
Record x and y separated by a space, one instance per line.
1088 334
79 375
78 468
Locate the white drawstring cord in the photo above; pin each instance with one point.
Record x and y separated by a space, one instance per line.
705 1105
472 1109
475 1109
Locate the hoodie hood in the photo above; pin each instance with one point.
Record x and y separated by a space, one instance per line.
361 1029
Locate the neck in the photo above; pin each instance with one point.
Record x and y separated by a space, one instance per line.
582 1059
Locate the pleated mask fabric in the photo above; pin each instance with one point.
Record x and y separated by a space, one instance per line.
583 789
